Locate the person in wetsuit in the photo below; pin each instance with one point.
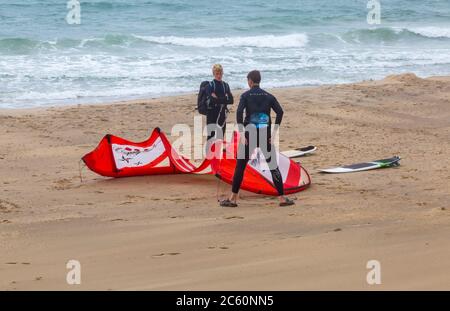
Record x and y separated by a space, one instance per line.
220 97
255 131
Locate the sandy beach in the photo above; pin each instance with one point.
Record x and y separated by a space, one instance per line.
168 232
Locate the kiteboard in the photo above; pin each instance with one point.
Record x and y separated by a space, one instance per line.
299 152
394 161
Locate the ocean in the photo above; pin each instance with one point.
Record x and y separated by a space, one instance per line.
129 49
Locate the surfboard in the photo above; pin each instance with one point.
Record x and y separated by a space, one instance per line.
299 152
365 166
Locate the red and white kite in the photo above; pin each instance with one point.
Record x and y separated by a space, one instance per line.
117 157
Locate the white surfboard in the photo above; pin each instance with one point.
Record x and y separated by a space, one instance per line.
365 166
299 152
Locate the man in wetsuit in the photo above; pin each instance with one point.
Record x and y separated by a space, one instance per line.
257 105
219 94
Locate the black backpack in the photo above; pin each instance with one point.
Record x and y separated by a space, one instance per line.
202 98
203 102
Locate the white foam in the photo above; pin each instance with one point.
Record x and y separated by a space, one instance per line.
268 41
432 31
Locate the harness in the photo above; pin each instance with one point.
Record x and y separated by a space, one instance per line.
222 107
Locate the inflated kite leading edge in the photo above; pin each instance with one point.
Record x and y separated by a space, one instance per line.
117 157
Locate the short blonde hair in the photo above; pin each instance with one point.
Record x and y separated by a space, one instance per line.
217 67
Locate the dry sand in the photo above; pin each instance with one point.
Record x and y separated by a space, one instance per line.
167 232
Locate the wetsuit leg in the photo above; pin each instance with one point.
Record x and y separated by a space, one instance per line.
277 180
241 163
211 119
238 175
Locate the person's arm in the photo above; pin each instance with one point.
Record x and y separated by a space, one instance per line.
279 111
240 118
240 113
209 90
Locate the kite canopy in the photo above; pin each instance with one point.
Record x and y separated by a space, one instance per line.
117 157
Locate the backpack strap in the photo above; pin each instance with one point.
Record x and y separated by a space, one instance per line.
224 85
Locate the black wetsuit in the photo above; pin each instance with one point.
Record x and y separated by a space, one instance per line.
257 104
217 114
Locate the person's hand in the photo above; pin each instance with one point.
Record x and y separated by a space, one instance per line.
214 95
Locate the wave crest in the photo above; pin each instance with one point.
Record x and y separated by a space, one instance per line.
267 41
392 34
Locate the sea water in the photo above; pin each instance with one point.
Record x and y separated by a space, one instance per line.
127 49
